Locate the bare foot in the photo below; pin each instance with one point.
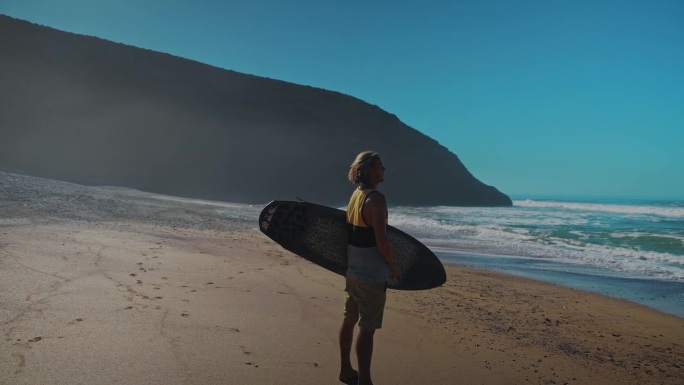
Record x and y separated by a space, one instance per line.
349 377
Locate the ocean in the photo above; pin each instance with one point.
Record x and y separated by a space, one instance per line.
629 249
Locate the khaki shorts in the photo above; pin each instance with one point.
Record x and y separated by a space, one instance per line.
365 303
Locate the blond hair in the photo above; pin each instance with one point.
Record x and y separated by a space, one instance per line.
358 171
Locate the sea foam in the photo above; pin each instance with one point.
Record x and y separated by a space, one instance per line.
624 239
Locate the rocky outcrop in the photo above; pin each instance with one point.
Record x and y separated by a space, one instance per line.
91 111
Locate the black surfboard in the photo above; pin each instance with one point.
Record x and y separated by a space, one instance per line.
319 234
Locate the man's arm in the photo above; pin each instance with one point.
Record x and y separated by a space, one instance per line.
377 206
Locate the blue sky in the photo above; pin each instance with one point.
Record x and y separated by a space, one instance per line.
538 98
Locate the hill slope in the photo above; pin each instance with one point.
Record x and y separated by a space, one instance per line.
91 111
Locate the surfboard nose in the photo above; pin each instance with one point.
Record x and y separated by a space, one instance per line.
282 222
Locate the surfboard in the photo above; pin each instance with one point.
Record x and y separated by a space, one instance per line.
319 234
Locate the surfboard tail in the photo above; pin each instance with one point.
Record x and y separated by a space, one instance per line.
422 276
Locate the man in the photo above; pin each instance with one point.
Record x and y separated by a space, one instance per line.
370 266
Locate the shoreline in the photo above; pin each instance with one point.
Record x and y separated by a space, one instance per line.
663 296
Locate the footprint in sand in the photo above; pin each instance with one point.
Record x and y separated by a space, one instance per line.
245 351
22 363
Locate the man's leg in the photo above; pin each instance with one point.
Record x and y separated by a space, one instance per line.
364 352
346 338
351 317
371 310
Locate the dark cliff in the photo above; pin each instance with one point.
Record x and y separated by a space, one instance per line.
91 111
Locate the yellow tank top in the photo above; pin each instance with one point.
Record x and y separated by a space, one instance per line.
356 202
359 233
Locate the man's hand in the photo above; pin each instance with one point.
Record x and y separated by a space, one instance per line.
394 272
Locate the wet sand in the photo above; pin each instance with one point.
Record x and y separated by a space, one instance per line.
112 286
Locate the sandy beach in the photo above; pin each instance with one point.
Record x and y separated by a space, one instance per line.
114 286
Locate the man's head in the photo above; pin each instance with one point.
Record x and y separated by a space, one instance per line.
367 168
